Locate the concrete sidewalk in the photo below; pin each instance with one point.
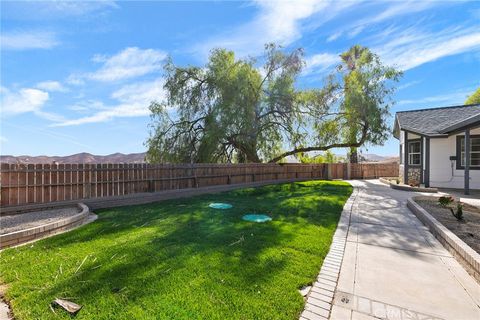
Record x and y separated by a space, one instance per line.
393 268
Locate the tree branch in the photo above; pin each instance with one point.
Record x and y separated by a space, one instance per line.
324 148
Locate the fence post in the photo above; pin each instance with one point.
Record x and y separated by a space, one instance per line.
18 186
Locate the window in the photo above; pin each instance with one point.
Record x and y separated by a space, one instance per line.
474 152
414 153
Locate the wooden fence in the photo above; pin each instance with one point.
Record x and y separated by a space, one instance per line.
22 184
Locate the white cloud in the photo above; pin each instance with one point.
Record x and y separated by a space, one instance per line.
320 62
408 84
75 80
394 9
457 97
277 21
143 92
119 111
24 40
128 63
134 100
400 8
412 47
52 86
44 10
334 36
25 100
74 8
3 139
88 106
356 31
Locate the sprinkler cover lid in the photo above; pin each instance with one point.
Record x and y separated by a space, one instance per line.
220 205
256 217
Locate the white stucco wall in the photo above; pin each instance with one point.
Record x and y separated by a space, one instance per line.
441 167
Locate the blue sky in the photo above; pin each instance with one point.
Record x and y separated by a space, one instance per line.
79 76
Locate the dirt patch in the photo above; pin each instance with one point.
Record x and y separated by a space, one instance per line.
468 230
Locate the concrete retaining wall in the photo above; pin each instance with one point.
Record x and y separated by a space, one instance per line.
406 187
465 255
22 236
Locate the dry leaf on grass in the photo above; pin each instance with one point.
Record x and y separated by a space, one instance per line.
69 306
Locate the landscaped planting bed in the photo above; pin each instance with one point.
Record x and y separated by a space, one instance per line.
181 259
467 229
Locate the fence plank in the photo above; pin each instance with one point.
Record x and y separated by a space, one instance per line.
4 180
37 183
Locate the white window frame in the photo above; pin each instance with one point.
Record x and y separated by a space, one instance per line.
411 154
462 151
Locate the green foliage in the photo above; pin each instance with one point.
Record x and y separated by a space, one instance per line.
474 98
445 201
325 157
227 111
366 93
351 109
458 213
179 259
249 110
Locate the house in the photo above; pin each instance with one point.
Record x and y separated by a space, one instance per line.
440 147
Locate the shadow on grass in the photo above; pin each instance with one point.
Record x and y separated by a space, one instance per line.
171 251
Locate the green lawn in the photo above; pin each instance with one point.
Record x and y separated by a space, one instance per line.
179 259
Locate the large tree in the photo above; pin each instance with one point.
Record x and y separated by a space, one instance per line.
352 108
474 98
232 110
227 111
352 60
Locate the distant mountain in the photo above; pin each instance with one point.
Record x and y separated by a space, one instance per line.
371 157
140 158
77 158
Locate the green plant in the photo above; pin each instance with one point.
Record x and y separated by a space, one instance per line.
445 201
398 181
459 214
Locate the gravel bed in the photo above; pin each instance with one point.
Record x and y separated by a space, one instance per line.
21 221
468 230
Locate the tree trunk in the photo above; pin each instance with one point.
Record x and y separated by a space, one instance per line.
353 155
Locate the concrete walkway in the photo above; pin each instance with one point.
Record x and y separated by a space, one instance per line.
393 268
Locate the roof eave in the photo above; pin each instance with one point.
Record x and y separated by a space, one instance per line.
462 124
425 134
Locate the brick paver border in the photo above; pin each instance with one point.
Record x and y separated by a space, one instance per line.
320 298
49 229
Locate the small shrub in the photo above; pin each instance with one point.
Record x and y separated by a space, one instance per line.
445 201
398 181
459 214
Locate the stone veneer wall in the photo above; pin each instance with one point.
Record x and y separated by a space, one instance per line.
414 175
400 172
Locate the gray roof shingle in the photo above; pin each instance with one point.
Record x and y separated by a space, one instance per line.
437 120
